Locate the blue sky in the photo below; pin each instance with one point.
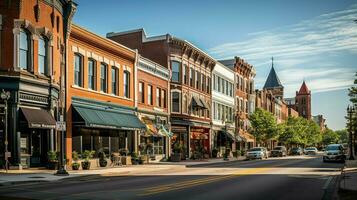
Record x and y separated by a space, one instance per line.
311 40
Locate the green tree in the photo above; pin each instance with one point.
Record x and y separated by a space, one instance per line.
330 137
343 136
353 92
293 131
264 126
313 133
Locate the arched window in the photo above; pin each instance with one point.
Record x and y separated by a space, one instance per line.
127 84
42 55
24 50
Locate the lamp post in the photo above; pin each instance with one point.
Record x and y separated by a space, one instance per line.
5 96
350 111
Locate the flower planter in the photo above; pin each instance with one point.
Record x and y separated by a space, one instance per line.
103 163
53 165
75 166
85 165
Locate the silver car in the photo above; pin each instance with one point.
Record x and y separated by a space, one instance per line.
310 151
257 153
334 152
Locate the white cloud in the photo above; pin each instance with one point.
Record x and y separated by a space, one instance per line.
302 51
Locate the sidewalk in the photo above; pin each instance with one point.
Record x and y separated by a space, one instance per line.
45 175
348 181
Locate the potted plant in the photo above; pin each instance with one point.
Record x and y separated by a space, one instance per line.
52 160
75 158
176 155
86 156
102 159
134 158
214 153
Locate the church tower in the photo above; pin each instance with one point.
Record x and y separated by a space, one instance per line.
303 101
273 83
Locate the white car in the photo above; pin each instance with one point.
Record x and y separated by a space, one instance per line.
257 153
310 151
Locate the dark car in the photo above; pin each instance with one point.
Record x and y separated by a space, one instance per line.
278 151
296 151
334 152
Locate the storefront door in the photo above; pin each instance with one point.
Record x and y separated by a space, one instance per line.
39 148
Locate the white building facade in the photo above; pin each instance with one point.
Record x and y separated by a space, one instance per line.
223 93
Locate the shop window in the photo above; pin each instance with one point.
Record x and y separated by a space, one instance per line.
103 77
175 102
175 71
42 55
115 81
86 142
78 70
150 100
76 144
141 93
91 74
127 84
24 50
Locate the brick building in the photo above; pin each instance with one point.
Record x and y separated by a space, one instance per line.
100 97
301 102
33 37
245 100
153 82
190 88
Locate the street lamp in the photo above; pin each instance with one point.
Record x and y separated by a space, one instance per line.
5 96
350 111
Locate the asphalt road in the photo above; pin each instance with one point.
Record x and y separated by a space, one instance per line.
289 178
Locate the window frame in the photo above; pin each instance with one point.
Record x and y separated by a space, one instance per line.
174 72
45 56
94 76
104 80
27 50
150 95
80 72
142 93
115 84
126 84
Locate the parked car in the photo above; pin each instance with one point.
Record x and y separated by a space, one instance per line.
310 151
334 152
257 153
296 151
278 151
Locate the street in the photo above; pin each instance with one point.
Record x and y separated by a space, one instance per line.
299 177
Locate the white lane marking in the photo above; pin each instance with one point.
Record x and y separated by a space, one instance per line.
327 183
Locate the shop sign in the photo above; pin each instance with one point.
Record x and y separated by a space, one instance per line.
23 142
61 126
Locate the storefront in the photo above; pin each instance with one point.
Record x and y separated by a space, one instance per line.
180 139
223 140
154 139
36 130
199 142
104 127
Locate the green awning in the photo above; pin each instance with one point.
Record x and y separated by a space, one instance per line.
99 117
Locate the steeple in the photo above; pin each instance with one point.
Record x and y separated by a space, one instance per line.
304 89
273 79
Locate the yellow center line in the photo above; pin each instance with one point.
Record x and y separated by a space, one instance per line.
192 183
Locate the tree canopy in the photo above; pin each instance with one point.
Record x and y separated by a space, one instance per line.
264 126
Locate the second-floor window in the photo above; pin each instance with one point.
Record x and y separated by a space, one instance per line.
175 71
114 81
198 79
150 95
91 74
24 50
184 72
78 72
175 102
127 84
191 76
103 77
163 96
158 97
42 55
141 92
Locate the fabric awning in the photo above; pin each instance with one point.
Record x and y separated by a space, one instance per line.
196 102
240 138
205 105
247 137
230 134
97 117
151 130
165 132
38 118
